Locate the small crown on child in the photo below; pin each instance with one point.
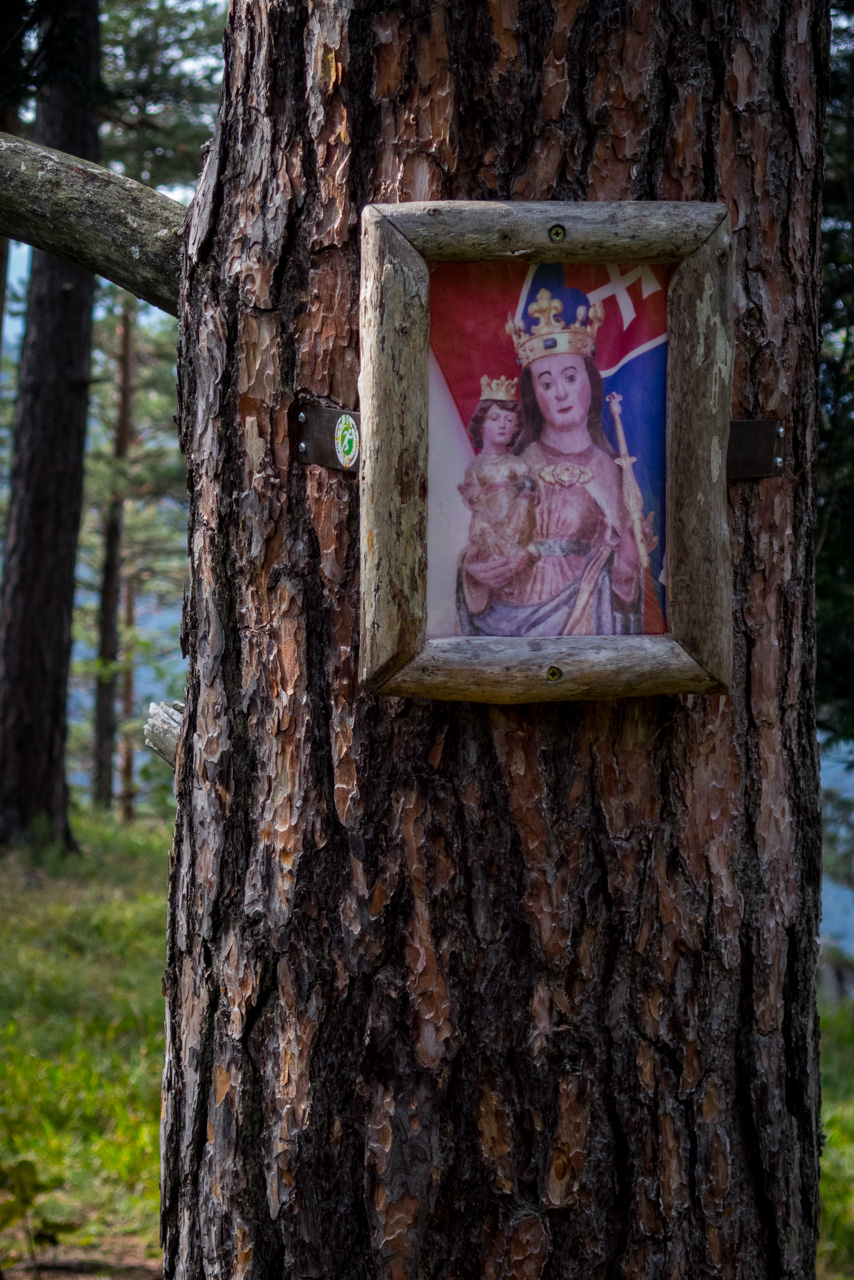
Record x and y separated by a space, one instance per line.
498 388
549 336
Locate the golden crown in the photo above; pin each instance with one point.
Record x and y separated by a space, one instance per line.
498 388
549 336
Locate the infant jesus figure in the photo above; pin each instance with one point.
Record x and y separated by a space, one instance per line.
501 494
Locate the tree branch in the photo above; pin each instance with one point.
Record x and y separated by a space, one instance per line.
116 227
163 728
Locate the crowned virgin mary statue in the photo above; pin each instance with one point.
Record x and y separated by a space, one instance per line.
582 568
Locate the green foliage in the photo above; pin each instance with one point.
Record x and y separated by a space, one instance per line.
81 1027
161 69
835 462
836 1248
837 1053
22 1186
156 781
8 386
835 621
8 392
838 836
152 484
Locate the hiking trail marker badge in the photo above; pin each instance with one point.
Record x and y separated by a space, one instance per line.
347 440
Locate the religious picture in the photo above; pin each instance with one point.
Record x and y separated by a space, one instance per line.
546 473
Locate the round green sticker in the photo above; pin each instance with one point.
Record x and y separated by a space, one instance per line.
346 440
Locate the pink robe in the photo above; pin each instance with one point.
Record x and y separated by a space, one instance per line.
582 539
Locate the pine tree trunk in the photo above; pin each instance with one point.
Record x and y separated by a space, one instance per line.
461 991
47 471
126 752
106 688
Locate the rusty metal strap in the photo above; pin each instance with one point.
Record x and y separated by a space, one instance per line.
326 436
755 449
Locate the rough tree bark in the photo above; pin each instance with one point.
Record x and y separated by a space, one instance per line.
106 688
453 990
47 471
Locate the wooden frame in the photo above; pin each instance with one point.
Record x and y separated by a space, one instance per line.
397 243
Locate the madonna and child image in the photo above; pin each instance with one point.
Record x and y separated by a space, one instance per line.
546 472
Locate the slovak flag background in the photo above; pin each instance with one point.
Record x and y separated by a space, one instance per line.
469 307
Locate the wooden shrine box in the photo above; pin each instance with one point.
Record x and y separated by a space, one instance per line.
400 244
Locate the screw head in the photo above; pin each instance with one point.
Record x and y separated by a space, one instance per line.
778 463
781 431
301 417
557 233
553 674
302 446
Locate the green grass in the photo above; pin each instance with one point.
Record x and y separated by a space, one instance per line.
836 1251
81 1025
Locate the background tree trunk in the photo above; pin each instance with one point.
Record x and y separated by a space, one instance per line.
457 990
47 468
126 751
106 687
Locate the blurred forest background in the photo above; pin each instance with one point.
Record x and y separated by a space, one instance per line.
160 69
82 944
81 950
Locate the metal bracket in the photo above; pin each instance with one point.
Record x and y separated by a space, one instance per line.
755 449
326 436
330 437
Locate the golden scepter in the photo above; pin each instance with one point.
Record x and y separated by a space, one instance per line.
632 496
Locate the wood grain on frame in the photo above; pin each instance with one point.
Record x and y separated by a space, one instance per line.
495 669
395 658
394 337
606 231
700 353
